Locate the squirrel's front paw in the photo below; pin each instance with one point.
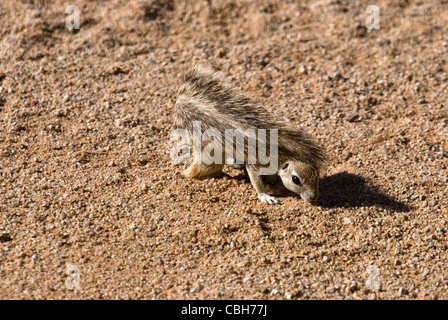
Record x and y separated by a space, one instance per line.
264 197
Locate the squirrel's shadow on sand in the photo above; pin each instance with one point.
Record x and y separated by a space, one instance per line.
350 190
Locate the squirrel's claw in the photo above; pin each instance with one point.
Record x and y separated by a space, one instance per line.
268 199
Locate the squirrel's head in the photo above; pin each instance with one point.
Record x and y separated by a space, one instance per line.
301 178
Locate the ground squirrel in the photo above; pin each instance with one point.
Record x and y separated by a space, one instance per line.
209 98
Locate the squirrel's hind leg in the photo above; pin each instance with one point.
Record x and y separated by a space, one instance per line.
197 171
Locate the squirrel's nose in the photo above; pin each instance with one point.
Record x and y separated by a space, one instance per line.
310 196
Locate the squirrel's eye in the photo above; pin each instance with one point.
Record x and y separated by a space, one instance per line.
296 180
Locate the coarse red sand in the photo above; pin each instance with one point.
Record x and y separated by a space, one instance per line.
91 206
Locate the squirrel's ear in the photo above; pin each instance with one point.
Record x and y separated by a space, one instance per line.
285 165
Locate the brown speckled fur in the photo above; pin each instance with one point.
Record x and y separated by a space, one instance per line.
209 97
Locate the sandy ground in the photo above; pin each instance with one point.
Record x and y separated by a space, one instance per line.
91 206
